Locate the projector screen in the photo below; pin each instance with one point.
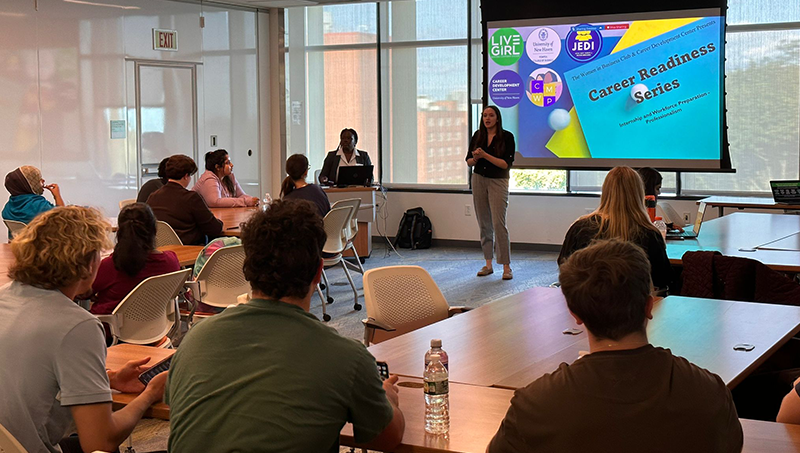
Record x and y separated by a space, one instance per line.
640 89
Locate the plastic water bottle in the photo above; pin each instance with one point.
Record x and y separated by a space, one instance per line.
266 201
436 348
662 227
437 402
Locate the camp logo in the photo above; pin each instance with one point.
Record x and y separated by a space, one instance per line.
584 42
544 87
506 46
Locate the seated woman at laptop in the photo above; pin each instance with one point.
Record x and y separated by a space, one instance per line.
345 156
295 186
622 215
652 186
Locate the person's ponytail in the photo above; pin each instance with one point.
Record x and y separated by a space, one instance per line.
287 186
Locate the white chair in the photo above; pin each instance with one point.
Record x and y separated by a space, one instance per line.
165 235
352 230
149 312
400 299
221 281
124 203
8 444
336 224
14 227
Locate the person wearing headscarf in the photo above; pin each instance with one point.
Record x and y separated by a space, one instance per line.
26 186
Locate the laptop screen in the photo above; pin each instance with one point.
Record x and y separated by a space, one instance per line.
701 211
785 191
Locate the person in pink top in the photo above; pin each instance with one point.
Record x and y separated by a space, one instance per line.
135 258
218 186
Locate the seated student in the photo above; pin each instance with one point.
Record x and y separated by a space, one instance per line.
26 186
135 258
345 156
154 184
184 210
652 186
268 375
52 351
295 187
218 186
625 395
621 215
790 407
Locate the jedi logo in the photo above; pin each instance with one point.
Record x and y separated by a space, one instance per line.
584 42
506 46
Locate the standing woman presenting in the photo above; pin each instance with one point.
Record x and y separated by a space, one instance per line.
491 153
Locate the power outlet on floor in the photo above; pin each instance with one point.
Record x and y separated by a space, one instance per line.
686 217
467 210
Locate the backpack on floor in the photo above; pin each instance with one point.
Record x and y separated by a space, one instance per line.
415 230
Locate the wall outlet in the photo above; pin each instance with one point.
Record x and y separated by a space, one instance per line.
467 210
213 141
686 217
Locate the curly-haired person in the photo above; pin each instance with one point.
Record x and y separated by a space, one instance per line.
268 375
52 351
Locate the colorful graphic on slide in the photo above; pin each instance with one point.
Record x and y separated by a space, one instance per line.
645 89
506 46
544 87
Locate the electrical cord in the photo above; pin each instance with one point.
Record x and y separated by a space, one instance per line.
382 211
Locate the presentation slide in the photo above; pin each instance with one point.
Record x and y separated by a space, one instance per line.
595 92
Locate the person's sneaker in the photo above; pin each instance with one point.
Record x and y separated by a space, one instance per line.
485 271
508 275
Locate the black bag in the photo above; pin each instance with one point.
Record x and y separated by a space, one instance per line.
415 230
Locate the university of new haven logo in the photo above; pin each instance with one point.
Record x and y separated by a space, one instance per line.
506 46
584 42
544 87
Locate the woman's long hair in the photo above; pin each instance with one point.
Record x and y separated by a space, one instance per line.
622 211
499 136
296 167
651 179
136 237
216 159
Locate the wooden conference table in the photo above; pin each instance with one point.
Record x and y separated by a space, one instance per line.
743 234
513 341
232 218
475 414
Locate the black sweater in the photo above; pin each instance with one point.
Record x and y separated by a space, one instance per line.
186 212
485 168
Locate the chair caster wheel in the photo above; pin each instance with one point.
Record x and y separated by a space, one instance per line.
357 307
363 260
322 286
330 300
326 317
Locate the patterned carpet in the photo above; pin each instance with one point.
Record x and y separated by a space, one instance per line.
453 269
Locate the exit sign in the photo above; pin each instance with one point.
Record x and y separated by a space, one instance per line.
165 40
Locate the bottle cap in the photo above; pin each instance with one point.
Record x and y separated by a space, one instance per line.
436 343
659 218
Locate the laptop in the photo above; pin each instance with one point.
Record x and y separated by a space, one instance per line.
359 175
785 192
690 234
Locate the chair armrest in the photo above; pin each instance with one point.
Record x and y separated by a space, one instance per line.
371 323
456 310
111 322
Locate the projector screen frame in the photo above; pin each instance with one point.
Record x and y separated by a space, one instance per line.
624 11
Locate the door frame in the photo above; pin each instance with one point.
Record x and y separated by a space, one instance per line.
137 65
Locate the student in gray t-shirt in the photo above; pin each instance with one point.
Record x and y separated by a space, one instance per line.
52 352
626 395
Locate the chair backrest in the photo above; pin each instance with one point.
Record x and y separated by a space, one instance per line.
222 278
147 313
14 227
336 223
124 203
403 297
352 225
8 444
316 176
165 235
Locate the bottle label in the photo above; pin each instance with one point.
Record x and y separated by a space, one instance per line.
436 387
